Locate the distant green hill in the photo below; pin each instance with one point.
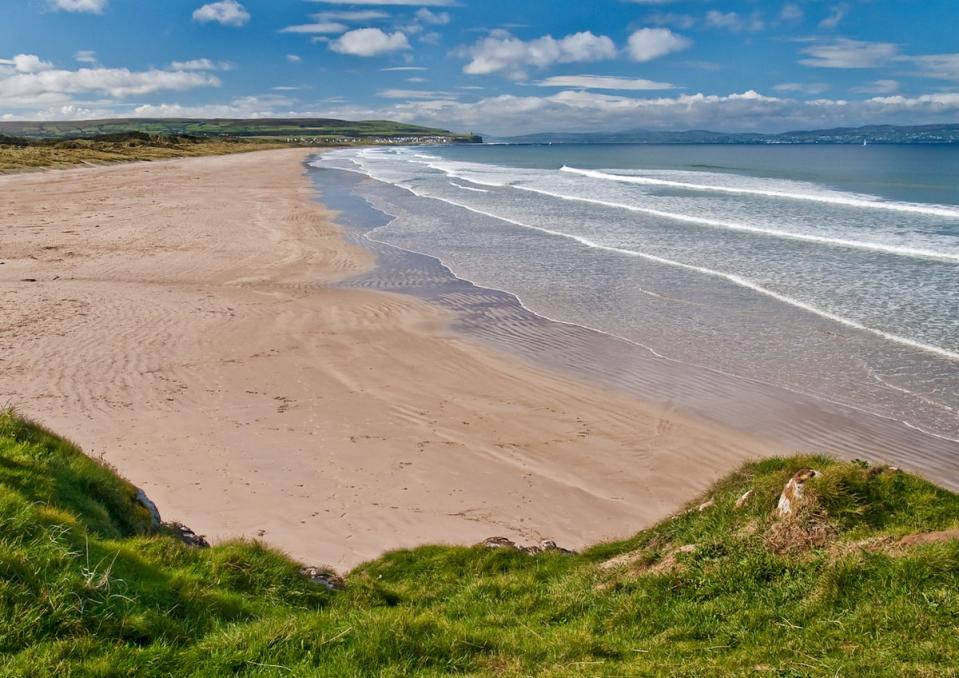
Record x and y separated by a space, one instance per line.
862 580
873 134
266 127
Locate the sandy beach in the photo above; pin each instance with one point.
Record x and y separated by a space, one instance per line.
176 320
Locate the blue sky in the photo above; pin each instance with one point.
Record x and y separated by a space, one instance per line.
492 66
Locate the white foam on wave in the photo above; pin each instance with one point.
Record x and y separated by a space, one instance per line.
730 277
469 188
454 171
832 198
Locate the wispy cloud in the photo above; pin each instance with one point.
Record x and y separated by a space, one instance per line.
802 87
85 56
610 82
836 15
731 21
323 27
391 3
878 87
351 15
940 66
201 65
846 53
414 94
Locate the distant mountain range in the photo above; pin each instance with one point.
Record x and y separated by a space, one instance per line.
264 127
873 134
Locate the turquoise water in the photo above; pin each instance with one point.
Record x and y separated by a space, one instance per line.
830 271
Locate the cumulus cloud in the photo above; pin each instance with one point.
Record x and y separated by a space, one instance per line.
610 82
294 58
368 42
224 12
502 52
92 6
846 53
85 56
24 63
647 44
26 81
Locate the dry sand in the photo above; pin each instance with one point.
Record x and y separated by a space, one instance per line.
180 328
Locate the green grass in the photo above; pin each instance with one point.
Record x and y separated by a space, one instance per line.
86 590
263 127
19 155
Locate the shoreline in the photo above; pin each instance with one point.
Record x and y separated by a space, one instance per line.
787 420
249 398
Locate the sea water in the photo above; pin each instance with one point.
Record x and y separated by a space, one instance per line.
829 271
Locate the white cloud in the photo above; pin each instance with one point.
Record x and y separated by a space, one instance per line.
845 53
351 15
836 15
323 27
878 87
731 21
414 94
946 102
405 68
85 56
368 42
24 63
502 52
92 6
790 12
294 58
26 81
647 44
433 18
684 21
940 66
573 111
802 87
201 65
602 82
224 12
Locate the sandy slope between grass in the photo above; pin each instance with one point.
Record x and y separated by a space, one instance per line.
179 327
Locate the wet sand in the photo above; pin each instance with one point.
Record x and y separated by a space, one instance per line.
183 320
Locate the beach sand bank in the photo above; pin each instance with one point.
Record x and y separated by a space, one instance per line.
176 319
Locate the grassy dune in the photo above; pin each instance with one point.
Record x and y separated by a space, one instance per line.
846 587
19 155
